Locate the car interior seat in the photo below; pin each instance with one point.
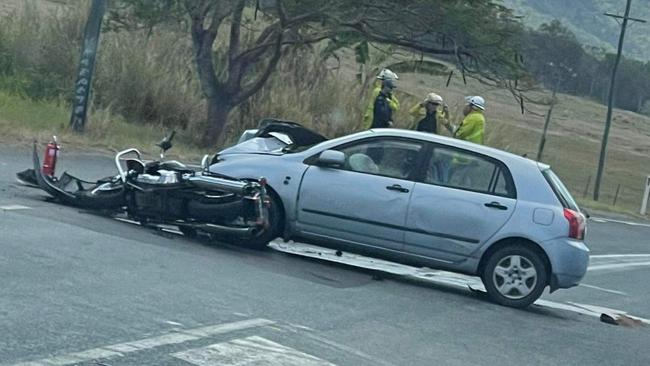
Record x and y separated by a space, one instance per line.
362 163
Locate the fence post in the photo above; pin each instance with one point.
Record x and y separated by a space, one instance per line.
644 203
584 194
618 189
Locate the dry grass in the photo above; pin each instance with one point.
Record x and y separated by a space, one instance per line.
151 79
23 121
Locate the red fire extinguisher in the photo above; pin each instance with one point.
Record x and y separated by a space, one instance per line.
51 154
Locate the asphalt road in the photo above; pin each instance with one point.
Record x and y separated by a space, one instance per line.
79 288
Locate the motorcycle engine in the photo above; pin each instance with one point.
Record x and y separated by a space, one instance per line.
163 177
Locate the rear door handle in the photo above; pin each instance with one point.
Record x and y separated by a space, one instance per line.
398 188
496 205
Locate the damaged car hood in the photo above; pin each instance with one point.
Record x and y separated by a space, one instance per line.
274 137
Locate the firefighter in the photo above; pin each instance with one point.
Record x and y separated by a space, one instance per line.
430 114
393 103
473 126
382 114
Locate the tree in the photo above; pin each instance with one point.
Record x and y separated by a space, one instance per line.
478 35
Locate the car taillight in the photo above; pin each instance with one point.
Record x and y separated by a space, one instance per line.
577 223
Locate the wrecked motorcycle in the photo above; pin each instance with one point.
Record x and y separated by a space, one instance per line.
164 193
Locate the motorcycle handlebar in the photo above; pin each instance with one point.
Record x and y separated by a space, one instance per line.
119 155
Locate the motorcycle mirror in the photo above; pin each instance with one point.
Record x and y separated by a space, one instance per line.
166 143
205 163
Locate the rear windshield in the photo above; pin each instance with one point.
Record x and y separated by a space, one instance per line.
560 190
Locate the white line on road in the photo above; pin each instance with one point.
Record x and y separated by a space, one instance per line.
603 289
127 220
631 223
306 332
14 207
442 277
601 267
253 350
620 256
176 337
173 323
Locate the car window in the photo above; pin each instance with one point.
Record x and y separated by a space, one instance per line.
461 169
394 158
560 190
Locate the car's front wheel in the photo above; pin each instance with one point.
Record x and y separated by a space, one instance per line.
515 276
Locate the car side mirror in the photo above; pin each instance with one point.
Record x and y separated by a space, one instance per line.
331 158
205 163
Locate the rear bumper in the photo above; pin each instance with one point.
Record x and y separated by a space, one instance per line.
569 261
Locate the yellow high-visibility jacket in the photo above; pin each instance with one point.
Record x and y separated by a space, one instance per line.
418 112
472 128
393 103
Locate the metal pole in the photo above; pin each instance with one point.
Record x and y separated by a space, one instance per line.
542 142
610 102
646 193
87 65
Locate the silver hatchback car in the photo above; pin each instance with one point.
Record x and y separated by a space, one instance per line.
424 200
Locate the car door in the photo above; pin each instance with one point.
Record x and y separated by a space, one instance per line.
461 200
364 201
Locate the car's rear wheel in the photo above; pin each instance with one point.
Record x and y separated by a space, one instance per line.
515 276
275 216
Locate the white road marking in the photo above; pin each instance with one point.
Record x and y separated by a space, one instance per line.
618 266
173 323
176 337
631 223
127 220
450 278
619 256
249 351
306 332
228 327
172 231
429 275
603 289
14 207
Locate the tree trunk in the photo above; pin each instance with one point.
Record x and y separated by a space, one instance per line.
218 111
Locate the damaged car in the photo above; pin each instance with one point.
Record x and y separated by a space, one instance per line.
419 199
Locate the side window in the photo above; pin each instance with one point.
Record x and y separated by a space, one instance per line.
395 158
464 170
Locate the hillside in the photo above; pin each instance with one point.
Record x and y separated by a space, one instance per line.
572 147
585 18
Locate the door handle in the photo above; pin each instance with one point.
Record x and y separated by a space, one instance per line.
398 188
496 205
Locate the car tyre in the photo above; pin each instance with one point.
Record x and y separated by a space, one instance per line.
261 239
515 276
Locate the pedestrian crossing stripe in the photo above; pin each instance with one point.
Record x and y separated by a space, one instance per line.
249 351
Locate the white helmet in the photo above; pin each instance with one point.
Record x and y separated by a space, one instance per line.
386 74
476 101
433 98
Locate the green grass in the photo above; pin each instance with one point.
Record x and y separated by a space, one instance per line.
22 121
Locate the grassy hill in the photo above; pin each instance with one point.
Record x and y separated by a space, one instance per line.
585 18
335 106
